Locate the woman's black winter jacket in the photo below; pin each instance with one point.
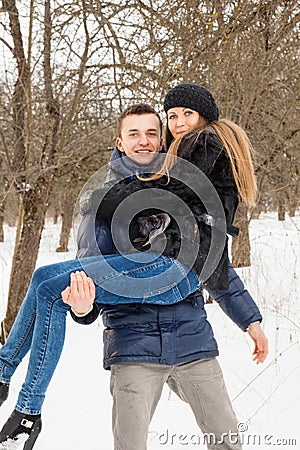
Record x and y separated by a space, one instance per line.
194 185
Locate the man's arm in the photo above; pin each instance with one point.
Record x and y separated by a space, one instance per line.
238 304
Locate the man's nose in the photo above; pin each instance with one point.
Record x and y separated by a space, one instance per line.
143 139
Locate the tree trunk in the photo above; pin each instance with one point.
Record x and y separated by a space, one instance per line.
2 199
258 209
1 228
35 206
34 203
255 213
55 218
292 212
33 198
67 216
2 208
241 245
19 105
293 205
281 211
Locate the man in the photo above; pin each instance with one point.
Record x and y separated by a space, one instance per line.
148 345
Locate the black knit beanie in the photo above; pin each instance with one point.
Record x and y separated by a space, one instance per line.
194 97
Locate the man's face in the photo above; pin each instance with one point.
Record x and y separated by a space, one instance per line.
140 138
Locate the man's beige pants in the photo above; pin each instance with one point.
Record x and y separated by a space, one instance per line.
136 389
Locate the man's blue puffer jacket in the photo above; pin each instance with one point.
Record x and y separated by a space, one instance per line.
158 334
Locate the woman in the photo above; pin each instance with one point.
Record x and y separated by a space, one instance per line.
220 156
203 149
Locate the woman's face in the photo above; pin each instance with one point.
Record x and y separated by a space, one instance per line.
182 120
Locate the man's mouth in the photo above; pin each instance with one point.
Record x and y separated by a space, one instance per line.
143 151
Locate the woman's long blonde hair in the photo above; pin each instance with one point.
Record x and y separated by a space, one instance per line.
239 151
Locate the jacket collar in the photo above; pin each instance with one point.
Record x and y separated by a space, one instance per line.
120 163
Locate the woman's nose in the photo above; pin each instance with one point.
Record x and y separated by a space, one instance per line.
180 121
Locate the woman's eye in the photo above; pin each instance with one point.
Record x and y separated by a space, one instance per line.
172 116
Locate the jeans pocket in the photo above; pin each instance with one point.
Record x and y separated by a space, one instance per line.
165 295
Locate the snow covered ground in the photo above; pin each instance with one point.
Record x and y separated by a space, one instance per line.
266 398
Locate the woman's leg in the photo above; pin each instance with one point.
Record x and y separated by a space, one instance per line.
49 325
47 329
141 278
47 344
20 336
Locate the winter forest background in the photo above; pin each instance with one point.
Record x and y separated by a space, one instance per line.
68 69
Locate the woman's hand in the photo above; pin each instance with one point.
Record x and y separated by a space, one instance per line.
80 295
261 350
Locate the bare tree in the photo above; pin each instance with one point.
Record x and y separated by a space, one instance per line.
34 195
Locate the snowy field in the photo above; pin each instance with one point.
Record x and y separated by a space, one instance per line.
266 398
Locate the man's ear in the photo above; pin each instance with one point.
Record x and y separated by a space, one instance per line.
119 144
161 144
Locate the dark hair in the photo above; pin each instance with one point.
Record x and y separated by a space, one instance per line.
138 109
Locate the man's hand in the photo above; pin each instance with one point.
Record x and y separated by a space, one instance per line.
261 350
80 295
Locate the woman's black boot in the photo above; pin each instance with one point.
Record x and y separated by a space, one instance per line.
18 425
4 388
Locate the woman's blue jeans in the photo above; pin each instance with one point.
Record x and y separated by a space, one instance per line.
41 321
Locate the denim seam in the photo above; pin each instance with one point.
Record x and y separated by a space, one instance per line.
116 274
42 356
138 269
162 290
180 266
21 342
